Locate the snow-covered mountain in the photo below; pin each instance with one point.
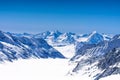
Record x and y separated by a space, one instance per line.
94 55
60 40
57 38
97 60
13 47
110 63
88 51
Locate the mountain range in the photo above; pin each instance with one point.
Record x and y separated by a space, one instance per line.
94 54
98 60
57 38
14 46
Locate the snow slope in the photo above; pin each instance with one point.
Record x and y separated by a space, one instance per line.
37 69
84 64
13 47
112 77
68 51
98 60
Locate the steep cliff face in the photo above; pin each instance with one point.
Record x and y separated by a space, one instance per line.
98 60
98 49
110 63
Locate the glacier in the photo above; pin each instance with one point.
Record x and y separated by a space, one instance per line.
68 56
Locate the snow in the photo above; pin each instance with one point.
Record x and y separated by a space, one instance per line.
7 36
68 50
50 69
7 44
38 69
112 77
93 33
82 39
62 37
13 47
119 37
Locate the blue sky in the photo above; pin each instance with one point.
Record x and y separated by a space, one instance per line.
79 16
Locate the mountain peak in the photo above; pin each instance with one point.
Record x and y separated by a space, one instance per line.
94 32
56 31
95 38
116 37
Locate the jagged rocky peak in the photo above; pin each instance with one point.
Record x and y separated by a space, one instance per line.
43 35
56 32
109 63
48 34
94 32
116 37
105 56
69 33
57 37
95 38
67 37
110 58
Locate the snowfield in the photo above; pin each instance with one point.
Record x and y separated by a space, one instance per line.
68 51
54 62
112 77
38 69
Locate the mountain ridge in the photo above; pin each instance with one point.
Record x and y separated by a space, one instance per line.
100 60
13 47
95 55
